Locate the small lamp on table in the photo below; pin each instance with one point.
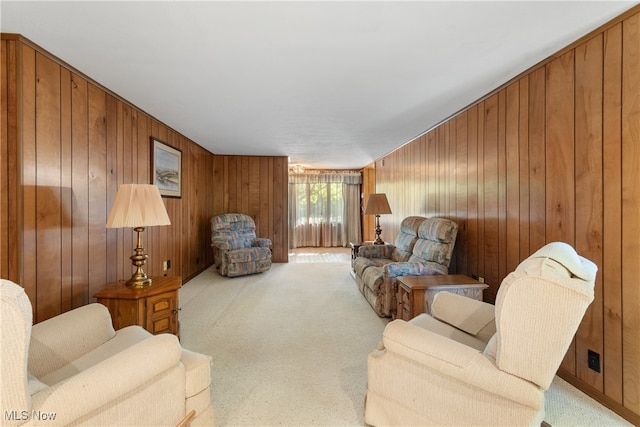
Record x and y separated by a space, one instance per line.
138 206
377 205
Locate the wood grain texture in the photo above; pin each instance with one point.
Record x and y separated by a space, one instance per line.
612 216
4 157
47 187
588 180
631 212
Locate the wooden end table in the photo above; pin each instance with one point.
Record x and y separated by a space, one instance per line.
415 293
154 307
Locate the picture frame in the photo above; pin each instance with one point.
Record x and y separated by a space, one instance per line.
166 168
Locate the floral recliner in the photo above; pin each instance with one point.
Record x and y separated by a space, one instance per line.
423 247
236 249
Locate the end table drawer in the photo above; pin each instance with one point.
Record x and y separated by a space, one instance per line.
161 313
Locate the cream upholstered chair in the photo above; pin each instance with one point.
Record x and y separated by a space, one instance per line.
74 369
448 368
236 249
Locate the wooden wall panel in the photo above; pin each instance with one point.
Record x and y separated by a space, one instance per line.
612 216
6 76
631 212
80 187
368 187
67 144
588 180
27 73
66 195
559 161
553 155
48 185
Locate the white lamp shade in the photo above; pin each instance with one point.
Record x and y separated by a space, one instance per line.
138 205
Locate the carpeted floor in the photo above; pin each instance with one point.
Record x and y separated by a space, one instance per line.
290 346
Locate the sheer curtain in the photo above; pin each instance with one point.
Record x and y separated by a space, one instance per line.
324 208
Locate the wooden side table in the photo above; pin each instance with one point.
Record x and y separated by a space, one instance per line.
154 307
415 293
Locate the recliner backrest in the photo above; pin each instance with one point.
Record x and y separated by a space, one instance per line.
407 238
436 239
237 230
539 307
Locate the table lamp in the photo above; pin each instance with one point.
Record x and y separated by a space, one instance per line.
377 205
138 206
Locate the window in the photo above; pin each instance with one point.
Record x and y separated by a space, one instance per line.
321 209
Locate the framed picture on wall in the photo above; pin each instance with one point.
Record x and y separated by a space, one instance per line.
166 168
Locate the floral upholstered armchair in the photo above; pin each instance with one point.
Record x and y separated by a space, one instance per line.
236 249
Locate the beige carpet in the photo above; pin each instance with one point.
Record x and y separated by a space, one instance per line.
290 347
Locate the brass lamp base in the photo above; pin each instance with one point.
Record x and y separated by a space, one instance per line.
378 240
138 281
139 278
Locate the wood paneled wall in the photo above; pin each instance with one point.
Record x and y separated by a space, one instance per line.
552 156
67 143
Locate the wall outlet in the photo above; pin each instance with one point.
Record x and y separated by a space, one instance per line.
593 360
165 265
481 279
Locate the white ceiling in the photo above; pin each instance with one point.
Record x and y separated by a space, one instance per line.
331 84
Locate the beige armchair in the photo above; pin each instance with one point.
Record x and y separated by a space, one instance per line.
74 369
448 368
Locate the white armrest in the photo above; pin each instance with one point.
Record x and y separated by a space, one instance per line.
457 361
105 382
64 338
